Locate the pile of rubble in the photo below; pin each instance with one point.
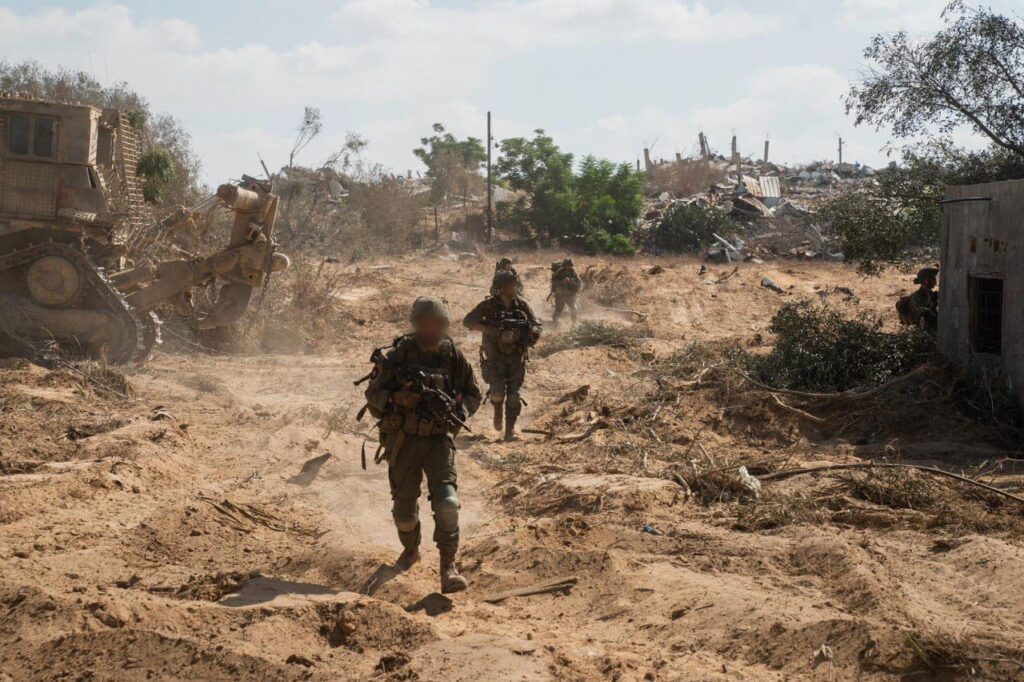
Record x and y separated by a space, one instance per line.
775 206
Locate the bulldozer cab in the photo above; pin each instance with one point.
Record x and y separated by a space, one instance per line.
72 219
70 168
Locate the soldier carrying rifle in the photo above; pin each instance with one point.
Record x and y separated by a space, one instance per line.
421 392
509 330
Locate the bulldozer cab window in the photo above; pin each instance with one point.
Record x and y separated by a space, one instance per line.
36 136
19 128
44 138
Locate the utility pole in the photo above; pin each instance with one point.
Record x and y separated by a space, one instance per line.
766 151
490 208
840 150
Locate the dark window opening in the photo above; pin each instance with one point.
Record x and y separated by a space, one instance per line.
18 131
986 315
42 145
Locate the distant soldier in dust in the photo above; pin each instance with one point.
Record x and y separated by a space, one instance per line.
509 330
504 264
422 391
921 308
565 287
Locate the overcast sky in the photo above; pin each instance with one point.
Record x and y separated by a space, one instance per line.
603 77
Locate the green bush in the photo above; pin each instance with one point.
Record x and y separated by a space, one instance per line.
817 349
870 230
878 223
689 227
612 244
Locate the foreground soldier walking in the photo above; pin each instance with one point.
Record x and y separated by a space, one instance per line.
510 329
421 392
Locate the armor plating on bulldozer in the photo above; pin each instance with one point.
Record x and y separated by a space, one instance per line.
71 218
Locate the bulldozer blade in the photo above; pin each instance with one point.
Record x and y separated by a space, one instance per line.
232 302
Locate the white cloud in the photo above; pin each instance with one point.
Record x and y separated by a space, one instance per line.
916 16
531 23
383 56
796 106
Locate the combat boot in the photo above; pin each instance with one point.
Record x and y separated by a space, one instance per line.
408 558
451 581
510 430
499 416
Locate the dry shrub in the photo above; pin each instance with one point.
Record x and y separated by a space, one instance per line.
774 510
693 360
610 286
718 485
940 657
875 498
684 178
591 333
385 218
956 506
92 377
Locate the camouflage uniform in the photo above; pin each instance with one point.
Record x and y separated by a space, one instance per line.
565 287
921 308
504 353
417 442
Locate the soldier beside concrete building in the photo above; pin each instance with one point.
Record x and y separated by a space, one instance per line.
421 391
509 330
921 308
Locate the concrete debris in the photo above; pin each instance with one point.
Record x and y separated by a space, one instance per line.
769 283
774 204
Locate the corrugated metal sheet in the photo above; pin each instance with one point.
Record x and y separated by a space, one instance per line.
771 190
752 185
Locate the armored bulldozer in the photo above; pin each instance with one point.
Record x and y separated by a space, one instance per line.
72 220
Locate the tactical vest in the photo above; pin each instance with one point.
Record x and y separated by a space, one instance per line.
508 343
444 372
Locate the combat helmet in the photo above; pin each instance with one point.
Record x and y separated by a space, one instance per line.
428 306
925 274
503 278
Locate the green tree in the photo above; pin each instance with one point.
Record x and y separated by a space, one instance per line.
156 168
452 164
596 206
876 224
970 73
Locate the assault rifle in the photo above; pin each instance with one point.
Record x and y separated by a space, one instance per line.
434 401
512 319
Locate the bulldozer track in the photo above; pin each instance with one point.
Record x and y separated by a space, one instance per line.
139 335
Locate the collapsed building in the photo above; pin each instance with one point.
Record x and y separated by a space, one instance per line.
982 275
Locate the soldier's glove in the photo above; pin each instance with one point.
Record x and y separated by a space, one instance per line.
534 337
406 399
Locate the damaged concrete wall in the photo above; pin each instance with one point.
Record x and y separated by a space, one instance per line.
981 321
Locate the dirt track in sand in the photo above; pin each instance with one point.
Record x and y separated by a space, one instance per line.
177 534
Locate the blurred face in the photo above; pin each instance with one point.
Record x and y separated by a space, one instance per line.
429 329
508 291
929 283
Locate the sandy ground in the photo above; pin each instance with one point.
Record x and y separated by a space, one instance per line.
216 523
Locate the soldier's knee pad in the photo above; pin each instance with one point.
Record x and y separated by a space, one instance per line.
406 514
497 394
446 508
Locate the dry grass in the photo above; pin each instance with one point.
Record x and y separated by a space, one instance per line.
610 285
592 333
685 178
